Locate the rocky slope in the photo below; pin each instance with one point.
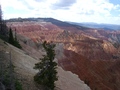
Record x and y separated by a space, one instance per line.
24 71
100 75
91 54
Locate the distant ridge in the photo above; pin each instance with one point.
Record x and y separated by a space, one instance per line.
98 26
52 20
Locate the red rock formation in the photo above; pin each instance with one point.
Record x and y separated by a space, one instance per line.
35 30
94 49
97 74
89 53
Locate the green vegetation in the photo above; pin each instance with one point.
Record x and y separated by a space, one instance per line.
13 40
47 74
7 77
3 28
18 85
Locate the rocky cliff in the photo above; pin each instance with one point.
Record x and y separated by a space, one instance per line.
91 54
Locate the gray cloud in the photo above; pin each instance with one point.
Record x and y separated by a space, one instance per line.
63 4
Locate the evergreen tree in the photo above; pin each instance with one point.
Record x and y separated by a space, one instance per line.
11 38
47 74
15 35
3 27
0 15
0 21
16 43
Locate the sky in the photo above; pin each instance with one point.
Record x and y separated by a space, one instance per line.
99 11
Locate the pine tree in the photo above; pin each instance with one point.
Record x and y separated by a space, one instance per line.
0 15
3 27
16 43
47 74
0 20
11 38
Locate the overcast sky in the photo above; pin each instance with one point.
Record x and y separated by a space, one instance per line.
100 11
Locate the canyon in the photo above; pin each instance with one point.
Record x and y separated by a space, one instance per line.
92 54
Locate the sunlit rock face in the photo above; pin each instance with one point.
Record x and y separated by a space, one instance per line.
94 55
36 31
93 49
111 36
